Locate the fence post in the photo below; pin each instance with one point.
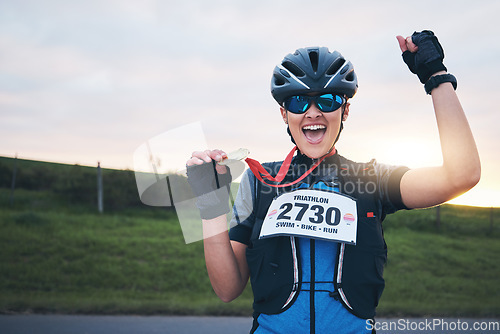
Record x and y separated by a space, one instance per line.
99 188
438 217
13 184
491 220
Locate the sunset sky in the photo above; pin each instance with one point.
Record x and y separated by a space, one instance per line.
89 81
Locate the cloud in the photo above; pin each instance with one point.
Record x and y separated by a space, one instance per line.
105 76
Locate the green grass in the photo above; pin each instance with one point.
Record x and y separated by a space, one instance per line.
56 259
452 270
90 263
432 274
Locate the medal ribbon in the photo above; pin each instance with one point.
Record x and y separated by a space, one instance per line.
261 173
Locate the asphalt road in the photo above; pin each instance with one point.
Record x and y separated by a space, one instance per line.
75 324
83 324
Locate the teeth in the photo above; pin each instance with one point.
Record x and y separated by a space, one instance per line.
313 127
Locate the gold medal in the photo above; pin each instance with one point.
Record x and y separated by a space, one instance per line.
237 155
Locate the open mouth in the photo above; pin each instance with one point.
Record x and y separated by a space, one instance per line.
314 133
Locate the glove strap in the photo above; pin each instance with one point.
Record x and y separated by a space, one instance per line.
435 81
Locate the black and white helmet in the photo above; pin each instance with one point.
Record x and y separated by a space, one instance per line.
313 70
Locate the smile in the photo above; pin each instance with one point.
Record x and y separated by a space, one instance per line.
314 133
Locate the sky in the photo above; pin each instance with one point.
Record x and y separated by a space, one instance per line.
89 81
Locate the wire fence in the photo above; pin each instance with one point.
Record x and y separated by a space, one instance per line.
38 185
94 188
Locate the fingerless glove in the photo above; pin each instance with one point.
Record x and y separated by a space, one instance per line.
429 57
211 189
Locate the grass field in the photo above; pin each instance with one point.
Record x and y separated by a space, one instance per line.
59 261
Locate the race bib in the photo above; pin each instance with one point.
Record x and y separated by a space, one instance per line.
314 214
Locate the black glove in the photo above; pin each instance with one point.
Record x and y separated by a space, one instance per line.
211 188
429 57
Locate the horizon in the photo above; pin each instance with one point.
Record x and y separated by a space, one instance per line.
235 181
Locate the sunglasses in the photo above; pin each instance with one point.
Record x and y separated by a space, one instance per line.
299 104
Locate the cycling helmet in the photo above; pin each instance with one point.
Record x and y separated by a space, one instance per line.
313 70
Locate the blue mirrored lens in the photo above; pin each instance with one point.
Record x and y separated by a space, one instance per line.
297 104
329 102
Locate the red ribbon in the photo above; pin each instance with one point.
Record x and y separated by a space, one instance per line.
261 173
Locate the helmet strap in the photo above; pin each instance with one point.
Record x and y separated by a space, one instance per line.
341 124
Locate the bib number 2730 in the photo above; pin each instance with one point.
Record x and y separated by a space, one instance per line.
331 216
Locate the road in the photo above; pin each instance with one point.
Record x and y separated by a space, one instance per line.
83 324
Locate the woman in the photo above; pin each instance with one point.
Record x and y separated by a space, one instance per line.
308 230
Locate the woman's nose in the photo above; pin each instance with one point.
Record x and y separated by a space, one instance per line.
313 111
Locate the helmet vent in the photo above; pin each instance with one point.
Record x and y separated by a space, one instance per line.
293 68
350 76
313 57
278 80
335 66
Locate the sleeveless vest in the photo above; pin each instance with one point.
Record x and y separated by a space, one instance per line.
274 263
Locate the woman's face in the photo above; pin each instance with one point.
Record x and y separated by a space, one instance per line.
315 131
